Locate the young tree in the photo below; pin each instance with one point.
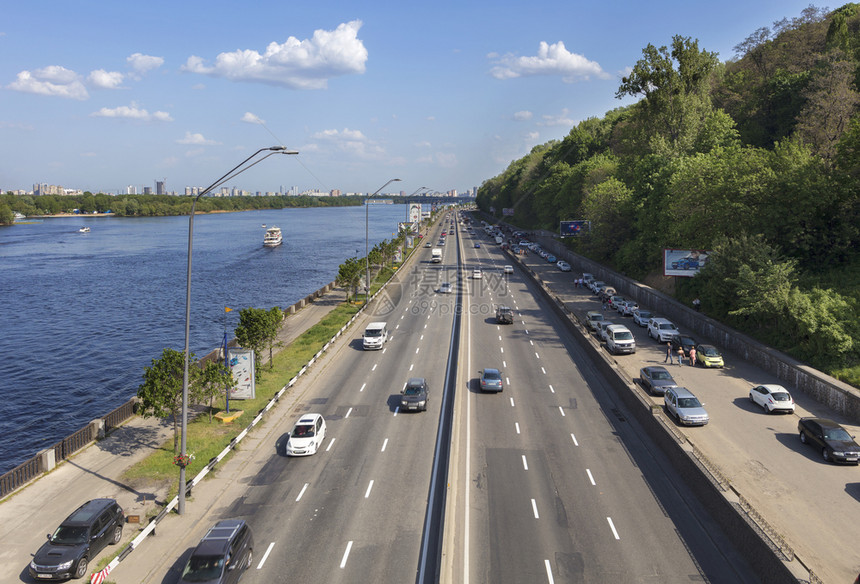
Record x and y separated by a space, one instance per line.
349 275
257 329
213 381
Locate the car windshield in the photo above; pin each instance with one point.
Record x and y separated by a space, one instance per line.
491 376
412 390
203 568
667 326
644 314
596 317
710 351
373 333
660 375
688 402
623 336
303 431
68 535
836 434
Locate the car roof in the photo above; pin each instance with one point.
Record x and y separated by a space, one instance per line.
773 388
84 514
490 370
309 418
681 392
617 327
217 539
652 368
660 320
413 381
823 422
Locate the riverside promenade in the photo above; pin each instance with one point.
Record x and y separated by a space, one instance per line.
96 471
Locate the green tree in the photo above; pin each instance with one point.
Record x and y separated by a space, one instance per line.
7 216
258 329
214 381
349 275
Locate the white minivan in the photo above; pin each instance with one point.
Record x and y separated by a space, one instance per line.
619 339
375 335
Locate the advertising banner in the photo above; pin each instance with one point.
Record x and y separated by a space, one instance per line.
414 215
572 228
683 262
241 363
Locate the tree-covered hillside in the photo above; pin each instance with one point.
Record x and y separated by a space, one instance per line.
756 159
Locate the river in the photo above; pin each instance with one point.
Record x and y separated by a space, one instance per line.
85 312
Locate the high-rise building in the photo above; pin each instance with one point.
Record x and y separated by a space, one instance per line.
159 187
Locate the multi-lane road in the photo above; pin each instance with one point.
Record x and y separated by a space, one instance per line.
548 481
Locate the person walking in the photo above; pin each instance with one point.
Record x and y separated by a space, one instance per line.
668 354
680 355
692 356
697 304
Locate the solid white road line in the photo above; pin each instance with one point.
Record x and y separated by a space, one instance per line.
346 554
265 555
612 525
302 492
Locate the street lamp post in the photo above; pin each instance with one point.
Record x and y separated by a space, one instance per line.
366 239
236 170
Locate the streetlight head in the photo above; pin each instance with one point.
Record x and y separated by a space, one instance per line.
283 150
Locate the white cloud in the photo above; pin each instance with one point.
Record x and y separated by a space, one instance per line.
532 137
141 63
105 79
250 118
54 80
132 112
431 118
350 141
560 119
196 139
523 116
552 59
305 64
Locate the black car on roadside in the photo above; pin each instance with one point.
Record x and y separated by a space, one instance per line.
656 379
836 444
78 540
684 342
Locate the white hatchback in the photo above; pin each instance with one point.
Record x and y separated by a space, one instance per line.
307 435
477 274
773 398
509 269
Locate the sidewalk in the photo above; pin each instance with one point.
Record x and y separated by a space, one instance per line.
36 509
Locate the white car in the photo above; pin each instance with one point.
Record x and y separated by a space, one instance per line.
307 435
773 398
509 269
641 317
627 307
445 288
662 329
477 274
563 265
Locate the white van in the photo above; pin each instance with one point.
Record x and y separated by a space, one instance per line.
375 335
619 339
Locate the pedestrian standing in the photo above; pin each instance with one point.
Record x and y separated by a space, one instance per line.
680 355
697 304
692 356
668 353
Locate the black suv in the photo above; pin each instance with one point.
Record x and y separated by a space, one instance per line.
504 315
222 555
414 396
77 540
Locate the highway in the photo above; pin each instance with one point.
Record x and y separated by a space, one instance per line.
549 481
812 504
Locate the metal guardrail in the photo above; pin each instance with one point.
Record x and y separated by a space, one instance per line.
19 475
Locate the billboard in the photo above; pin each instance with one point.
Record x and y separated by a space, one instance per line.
683 262
573 228
414 213
241 363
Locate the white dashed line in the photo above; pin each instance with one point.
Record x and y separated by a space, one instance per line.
348 412
373 368
575 443
504 364
397 409
512 402
345 554
517 426
548 572
330 444
503 349
369 487
384 444
615 533
265 555
421 338
551 389
302 492
536 355
363 385
411 366
591 478
531 342
534 508
544 370
525 464
561 410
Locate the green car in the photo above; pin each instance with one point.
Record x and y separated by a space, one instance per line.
708 356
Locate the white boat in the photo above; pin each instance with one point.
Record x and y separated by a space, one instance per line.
84 230
273 237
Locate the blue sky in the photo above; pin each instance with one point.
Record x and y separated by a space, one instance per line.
444 95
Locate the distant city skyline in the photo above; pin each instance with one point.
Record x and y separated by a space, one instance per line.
445 94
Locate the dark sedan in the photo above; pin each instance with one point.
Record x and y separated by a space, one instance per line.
684 342
656 379
836 444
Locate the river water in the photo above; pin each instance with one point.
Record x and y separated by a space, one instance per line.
83 313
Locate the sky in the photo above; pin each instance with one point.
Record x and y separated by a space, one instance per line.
443 95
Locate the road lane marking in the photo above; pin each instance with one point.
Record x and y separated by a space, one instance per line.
384 349
384 444
500 337
346 554
373 368
551 389
548 572
534 508
265 555
348 412
531 342
503 349
369 487
411 366
612 525
508 380
512 402
302 492
544 370
417 349
421 338
561 410
504 364
525 464
330 444
517 425
363 385
536 355
575 443
396 409
591 478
